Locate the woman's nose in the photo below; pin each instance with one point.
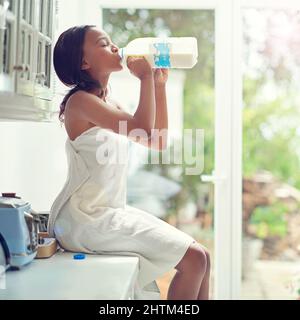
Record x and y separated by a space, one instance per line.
115 49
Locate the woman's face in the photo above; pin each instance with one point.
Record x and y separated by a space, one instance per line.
100 55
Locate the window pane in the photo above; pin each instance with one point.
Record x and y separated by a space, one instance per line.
48 65
29 55
23 50
7 48
23 46
39 58
271 155
49 18
24 10
31 8
42 4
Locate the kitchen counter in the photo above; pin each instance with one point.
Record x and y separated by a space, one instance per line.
97 277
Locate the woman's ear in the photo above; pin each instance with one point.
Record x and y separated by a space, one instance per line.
84 65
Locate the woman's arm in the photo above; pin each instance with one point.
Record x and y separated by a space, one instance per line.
161 118
145 113
93 109
159 137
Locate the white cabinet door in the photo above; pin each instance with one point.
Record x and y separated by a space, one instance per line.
8 48
35 37
43 84
25 48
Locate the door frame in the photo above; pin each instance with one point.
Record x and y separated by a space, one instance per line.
228 150
227 175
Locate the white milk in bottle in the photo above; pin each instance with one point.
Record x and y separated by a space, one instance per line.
173 52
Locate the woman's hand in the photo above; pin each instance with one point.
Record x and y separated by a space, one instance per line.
139 67
160 76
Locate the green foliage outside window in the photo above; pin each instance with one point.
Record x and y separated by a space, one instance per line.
270 221
271 138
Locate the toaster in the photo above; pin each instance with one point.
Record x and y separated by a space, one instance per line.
18 232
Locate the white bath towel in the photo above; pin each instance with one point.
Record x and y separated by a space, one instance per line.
91 215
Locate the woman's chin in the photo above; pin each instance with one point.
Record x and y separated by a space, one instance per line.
119 68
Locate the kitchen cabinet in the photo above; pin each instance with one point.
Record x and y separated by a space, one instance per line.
26 71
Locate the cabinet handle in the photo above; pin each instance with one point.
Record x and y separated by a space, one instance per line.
22 68
40 78
41 75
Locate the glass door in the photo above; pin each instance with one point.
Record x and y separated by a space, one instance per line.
271 151
247 197
167 184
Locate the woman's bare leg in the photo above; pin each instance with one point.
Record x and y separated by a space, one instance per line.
191 270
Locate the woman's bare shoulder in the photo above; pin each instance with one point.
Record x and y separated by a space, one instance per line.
73 102
78 96
74 124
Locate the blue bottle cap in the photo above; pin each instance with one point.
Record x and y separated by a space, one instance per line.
79 256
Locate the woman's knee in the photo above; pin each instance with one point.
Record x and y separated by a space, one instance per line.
208 264
195 259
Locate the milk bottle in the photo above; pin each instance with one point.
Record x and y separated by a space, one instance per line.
173 52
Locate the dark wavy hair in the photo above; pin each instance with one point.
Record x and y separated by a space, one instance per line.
67 61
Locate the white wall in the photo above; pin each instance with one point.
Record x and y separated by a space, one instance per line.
33 162
72 13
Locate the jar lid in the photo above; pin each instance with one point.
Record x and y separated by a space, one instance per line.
9 202
79 256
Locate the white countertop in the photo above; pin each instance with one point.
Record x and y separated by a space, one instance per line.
97 277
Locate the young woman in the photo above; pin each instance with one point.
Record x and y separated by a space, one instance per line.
90 214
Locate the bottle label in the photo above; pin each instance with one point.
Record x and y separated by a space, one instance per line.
162 54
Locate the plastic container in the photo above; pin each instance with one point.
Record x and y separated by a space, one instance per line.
47 247
173 52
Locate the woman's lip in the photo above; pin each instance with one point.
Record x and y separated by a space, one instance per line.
120 53
120 59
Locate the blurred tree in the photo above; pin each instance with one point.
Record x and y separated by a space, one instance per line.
271 93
